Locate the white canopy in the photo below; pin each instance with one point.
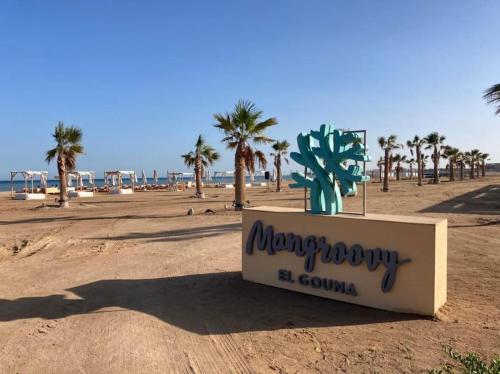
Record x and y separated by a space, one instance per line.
28 174
119 174
223 173
78 175
122 172
83 173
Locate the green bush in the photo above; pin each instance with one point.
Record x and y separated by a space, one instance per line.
468 364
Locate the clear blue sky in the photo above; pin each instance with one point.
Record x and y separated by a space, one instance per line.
143 78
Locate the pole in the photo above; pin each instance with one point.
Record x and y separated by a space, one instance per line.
305 190
364 173
11 185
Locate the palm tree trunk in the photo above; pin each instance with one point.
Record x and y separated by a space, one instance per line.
483 169
419 166
380 172
398 171
477 169
472 170
436 166
197 173
63 186
239 170
386 171
452 172
278 173
462 170
411 171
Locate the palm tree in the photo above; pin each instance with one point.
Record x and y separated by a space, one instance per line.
398 159
380 162
425 158
492 96
478 163
387 145
410 163
67 149
280 152
461 163
471 159
467 159
202 156
241 127
475 154
435 141
452 154
484 156
417 143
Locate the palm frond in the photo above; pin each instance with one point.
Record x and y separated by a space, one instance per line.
492 96
262 139
189 159
50 155
261 158
261 126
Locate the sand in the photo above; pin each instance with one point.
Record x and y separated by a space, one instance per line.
131 284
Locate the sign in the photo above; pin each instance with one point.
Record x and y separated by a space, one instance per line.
389 262
327 153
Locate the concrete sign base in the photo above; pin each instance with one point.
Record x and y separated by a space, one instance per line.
394 263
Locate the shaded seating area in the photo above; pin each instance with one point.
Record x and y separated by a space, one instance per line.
81 190
177 181
30 192
113 181
224 175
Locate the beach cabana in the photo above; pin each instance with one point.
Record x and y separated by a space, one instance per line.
116 177
81 190
260 174
224 175
29 192
190 177
173 180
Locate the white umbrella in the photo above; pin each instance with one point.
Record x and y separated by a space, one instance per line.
144 179
155 176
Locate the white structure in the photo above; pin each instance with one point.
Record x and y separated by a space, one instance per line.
116 177
225 174
27 193
258 173
81 190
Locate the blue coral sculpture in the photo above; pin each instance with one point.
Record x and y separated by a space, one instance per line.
325 153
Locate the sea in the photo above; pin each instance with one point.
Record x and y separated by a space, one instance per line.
19 182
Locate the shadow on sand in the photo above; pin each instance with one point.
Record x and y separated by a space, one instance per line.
484 200
178 235
90 218
203 303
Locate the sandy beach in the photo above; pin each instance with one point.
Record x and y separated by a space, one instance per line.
132 284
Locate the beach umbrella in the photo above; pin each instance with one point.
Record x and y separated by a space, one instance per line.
155 176
144 179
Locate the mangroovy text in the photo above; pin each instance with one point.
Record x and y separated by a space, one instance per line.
338 253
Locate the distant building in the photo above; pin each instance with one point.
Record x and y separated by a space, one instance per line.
493 167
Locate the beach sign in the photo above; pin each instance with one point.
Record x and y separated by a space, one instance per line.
396 263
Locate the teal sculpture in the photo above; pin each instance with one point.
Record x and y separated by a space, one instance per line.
325 153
